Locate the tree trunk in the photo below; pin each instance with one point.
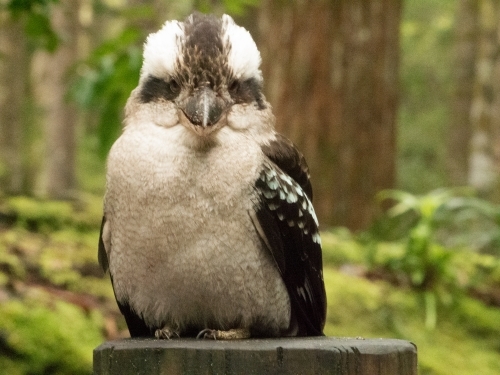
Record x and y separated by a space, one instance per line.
331 73
485 109
13 88
460 129
60 117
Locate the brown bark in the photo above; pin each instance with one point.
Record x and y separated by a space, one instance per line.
484 162
59 115
331 71
13 88
460 129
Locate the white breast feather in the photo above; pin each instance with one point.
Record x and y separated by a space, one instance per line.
184 248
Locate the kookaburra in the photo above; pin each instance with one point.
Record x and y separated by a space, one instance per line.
208 226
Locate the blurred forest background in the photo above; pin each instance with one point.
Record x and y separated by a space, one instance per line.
395 104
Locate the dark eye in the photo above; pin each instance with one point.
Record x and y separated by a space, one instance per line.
234 86
174 86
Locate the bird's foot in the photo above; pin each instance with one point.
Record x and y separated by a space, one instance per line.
232 334
166 333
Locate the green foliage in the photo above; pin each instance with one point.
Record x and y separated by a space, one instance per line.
17 6
364 300
57 298
426 263
476 224
35 16
454 217
426 87
233 7
39 215
53 243
46 216
466 341
239 7
50 285
105 83
43 337
341 247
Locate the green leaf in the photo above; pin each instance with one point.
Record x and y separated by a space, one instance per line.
107 78
430 310
19 6
238 7
39 30
405 201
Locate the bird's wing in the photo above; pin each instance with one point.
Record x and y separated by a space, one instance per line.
282 152
286 221
135 324
104 242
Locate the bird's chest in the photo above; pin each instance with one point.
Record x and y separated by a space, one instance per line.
179 182
176 212
192 191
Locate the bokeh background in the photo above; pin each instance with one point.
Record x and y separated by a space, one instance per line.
395 104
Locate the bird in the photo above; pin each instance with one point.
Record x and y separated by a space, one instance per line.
208 226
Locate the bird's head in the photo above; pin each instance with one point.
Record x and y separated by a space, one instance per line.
198 73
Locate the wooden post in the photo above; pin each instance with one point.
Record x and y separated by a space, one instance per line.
285 356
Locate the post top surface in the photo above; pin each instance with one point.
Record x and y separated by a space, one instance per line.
368 346
283 356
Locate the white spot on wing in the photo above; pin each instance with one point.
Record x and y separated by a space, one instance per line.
286 178
273 184
316 238
312 213
270 173
291 197
301 292
273 206
269 194
282 195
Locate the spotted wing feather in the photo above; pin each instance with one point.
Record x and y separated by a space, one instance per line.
282 152
289 228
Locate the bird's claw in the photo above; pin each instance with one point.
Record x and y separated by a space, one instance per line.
207 333
232 334
166 333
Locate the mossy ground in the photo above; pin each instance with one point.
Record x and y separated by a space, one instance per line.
465 341
56 305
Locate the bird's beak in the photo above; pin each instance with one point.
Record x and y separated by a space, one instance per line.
204 108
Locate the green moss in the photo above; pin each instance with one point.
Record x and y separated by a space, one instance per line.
340 247
44 216
48 257
40 215
44 334
465 341
10 264
96 286
48 337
